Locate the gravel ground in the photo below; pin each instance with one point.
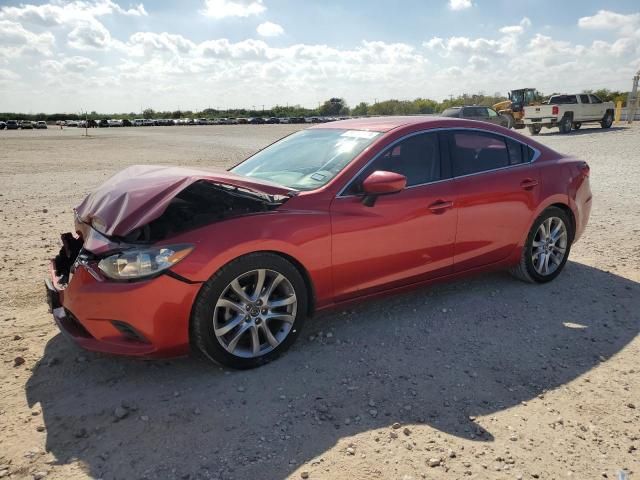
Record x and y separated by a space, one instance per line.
483 378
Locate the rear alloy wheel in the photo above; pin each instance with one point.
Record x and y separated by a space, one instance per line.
547 248
250 311
565 124
607 121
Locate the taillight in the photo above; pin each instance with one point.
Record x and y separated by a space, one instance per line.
555 110
584 168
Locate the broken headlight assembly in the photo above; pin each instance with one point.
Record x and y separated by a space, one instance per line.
139 263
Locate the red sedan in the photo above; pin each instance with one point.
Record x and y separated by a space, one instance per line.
233 263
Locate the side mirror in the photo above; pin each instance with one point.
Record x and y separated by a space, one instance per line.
381 182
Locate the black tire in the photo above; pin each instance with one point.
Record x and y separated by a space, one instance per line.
535 129
565 124
607 121
202 329
525 269
577 125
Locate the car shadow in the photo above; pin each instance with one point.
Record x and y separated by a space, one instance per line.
439 356
584 130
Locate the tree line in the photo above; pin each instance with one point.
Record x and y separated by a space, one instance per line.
334 107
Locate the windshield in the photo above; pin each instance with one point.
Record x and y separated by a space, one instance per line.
307 159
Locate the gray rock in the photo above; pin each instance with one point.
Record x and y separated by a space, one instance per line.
434 462
120 413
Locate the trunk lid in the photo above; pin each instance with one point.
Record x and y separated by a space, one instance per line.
140 194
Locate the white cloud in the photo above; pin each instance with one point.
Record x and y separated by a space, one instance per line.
75 64
456 5
90 35
16 40
149 43
69 14
607 20
8 75
80 17
232 8
269 29
524 24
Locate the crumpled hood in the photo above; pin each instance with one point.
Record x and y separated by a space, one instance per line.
139 194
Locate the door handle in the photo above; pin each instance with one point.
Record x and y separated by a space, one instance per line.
440 206
528 184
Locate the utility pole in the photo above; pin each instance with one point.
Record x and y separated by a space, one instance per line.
633 99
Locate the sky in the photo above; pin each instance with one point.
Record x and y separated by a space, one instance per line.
120 56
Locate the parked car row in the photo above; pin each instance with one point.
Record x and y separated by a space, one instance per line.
22 125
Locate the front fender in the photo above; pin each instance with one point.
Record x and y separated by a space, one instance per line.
303 235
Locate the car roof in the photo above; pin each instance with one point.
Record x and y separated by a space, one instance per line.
379 124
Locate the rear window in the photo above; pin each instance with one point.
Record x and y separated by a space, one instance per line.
451 112
562 99
474 152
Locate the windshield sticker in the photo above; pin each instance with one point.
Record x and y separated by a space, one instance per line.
360 134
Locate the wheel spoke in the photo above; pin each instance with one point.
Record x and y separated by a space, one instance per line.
272 286
235 286
225 303
536 244
255 340
285 317
547 227
269 336
259 284
555 233
283 302
545 265
230 325
234 341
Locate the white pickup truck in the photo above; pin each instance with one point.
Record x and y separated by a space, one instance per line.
567 112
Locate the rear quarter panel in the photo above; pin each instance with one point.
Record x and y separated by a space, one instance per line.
562 182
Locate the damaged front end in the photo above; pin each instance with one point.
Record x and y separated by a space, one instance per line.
122 237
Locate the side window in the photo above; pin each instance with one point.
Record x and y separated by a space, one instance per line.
473 152
518 152
584 98
492 113
417 158
595 99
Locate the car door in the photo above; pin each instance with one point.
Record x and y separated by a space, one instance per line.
404 237
493 117
476 113
598 107
497 189
585 111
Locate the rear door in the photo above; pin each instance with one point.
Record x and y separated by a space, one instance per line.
497 190
599 108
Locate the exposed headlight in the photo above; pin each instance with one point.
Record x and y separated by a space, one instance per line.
139 263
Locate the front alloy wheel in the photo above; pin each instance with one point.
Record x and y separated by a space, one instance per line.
250 311
255 313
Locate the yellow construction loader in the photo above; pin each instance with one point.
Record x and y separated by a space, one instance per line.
513 109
